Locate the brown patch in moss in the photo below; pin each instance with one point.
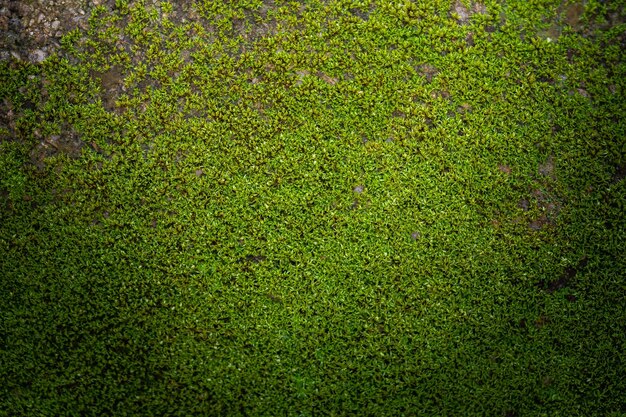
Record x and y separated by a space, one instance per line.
504 168
68 143
572 15
427 71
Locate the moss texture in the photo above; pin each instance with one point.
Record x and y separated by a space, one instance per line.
317 208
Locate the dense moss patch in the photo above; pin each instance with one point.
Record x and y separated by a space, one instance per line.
305 208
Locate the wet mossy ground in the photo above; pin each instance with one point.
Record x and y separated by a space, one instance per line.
317 208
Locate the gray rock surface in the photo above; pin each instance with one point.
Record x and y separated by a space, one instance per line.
31 30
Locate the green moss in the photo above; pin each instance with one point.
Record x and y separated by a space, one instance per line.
306 208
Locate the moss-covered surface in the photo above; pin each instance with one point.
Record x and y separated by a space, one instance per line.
317 208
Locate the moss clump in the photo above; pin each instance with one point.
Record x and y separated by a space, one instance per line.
342 207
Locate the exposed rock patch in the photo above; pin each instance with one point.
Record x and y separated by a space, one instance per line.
463 13
31 30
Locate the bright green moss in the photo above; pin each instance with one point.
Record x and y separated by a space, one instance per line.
304 208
